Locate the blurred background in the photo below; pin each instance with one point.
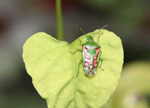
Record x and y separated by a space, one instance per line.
129 19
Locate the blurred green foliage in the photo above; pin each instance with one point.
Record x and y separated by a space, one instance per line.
21 101
134 87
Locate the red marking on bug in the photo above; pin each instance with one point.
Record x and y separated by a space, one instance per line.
95 57
85 52
85 48
86 64
94 63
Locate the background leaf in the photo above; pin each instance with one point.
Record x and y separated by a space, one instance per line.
133 90
53 70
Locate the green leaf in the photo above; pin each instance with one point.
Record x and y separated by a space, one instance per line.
53 69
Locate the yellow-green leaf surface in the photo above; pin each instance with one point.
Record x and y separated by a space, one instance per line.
53 69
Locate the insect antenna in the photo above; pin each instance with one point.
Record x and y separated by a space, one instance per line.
101 30
78 26
104 26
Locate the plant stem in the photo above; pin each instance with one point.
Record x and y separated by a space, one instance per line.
59 20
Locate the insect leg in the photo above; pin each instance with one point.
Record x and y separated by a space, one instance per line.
101 61
78 68
75 51
101 64
80 41
99 37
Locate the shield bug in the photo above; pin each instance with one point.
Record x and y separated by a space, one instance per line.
91 52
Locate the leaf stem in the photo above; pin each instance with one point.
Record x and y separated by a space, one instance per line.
59 20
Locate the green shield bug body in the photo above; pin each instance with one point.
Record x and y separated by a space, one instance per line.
91 56
91 52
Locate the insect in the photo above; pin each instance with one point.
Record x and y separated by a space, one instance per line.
91 52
